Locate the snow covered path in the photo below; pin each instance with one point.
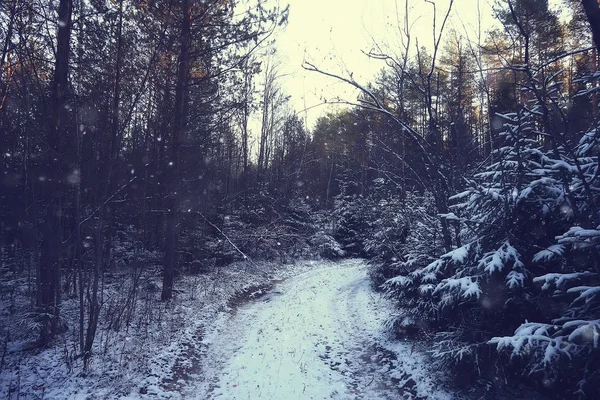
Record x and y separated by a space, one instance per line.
312 337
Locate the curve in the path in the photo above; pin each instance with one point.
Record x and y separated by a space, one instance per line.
315 336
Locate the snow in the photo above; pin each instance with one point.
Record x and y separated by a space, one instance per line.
460 195
466 286
401 280
550 253
140 361
586 291
560 279
559 164
588 330
319 335
550 354
515 279
310 330
449 217
497 260
459 255
579 237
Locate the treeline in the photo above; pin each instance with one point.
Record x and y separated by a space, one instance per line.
126 148
469 176
467 173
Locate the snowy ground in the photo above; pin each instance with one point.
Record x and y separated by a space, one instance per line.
318 335
309 330
154 356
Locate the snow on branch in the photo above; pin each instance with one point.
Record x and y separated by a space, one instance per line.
579 237
497 260
465 287
560 280
554 251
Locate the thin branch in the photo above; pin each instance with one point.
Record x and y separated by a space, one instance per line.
246 257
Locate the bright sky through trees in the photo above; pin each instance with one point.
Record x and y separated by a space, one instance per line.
334 33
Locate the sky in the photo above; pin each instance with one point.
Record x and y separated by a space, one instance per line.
333 34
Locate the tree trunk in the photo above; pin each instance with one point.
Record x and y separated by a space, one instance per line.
592 11
170 257
4 58
48 290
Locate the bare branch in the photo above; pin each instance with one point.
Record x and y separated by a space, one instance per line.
374 104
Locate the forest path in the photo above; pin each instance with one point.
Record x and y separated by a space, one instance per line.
314 336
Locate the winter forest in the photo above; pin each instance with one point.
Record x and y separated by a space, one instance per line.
176 224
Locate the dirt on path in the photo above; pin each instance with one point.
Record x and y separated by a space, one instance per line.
318 335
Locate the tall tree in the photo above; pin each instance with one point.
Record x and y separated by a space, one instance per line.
179 124
48 299
592 11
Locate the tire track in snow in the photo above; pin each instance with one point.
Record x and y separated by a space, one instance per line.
315 336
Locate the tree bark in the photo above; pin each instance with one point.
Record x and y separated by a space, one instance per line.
106 176
592 11
179 123
48 290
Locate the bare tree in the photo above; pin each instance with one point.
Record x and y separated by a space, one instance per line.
433 173
272 101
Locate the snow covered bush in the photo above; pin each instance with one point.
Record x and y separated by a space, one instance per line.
269 229
521 289
387 228
484 287
405 236
562 345
351 217
326 246
128 250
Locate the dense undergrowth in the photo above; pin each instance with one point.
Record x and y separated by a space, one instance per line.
517 298
138 334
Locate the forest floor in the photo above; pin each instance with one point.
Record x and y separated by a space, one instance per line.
308 330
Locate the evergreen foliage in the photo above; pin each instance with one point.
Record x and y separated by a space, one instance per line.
524 279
